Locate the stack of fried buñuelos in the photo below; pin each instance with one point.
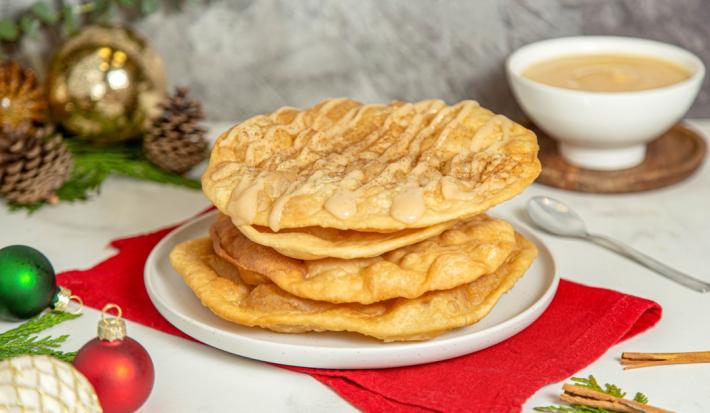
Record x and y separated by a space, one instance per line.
362 218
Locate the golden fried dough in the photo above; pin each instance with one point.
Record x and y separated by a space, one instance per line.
372 168
457 256
219 286
314 243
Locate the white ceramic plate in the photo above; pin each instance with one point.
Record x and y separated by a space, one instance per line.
516 310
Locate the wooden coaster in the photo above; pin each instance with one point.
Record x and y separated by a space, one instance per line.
669 159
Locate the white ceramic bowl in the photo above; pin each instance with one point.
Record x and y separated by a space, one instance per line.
600 130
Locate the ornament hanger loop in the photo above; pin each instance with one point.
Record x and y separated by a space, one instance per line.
79 302
113 328
107 308
63 300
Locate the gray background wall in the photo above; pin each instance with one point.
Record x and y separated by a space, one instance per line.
243 57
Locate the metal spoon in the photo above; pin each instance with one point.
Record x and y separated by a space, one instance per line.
557 218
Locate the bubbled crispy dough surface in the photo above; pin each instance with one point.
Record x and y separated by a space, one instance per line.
219 286
301 158
459 255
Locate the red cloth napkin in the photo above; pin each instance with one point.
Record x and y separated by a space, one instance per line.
579 326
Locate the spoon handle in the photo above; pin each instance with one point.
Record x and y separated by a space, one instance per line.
650 263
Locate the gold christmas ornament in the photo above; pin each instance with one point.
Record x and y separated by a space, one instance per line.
105 84
45 384
22 100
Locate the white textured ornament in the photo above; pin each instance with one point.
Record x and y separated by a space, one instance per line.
43 384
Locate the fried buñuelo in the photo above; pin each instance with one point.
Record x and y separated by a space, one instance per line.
219 286
371 168
457 256
314 243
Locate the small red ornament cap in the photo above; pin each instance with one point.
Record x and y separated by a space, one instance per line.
110 329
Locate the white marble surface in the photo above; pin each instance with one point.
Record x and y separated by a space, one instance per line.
672 224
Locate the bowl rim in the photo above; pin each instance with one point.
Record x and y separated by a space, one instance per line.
697 76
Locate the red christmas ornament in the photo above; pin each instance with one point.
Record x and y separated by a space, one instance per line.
119 368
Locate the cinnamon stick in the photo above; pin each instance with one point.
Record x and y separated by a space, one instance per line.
636 360
587 397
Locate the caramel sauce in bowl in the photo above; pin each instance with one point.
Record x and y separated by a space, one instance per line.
607 72
604 98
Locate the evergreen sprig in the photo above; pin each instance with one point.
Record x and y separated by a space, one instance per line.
94 163
67 18
592 383
22 340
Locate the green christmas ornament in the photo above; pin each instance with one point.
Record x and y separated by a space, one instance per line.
28 284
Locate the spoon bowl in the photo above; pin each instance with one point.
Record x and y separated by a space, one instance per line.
555 217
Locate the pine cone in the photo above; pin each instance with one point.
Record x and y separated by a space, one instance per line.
33 163
22 99
174 141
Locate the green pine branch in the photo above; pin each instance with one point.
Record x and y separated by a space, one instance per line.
592 383
68 18
22 340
